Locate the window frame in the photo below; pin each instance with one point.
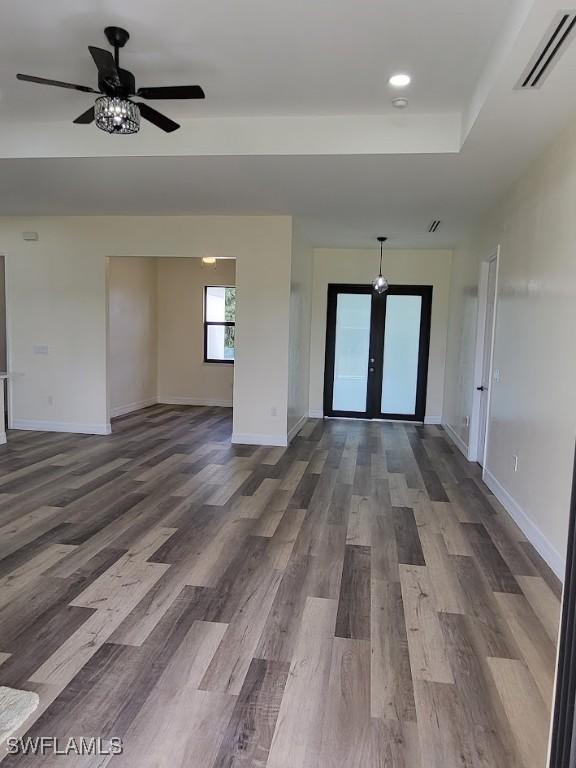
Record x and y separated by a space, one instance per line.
207 323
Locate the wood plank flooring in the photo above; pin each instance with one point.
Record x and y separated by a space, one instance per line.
357 600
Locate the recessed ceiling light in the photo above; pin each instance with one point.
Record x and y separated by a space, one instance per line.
399 81
400 102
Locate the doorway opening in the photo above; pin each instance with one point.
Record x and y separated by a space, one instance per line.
171 332
377 348
484 375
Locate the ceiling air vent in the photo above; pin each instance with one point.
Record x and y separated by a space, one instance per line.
434 225
552 46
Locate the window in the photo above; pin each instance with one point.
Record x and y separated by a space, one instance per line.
219 323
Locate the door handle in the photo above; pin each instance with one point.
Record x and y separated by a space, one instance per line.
480 389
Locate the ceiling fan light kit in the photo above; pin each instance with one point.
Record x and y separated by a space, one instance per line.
115 115
114 111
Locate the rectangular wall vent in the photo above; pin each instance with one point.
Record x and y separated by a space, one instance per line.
546 56
434 225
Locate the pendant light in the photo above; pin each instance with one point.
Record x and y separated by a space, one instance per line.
380 284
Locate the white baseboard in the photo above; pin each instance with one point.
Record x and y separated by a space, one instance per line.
61 426
432 419
296 428
172 400
253 438
456 439
122 410
534 535
3 438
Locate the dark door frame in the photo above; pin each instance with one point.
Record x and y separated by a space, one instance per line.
563 742
376 351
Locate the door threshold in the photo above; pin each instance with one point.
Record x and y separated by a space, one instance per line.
361 418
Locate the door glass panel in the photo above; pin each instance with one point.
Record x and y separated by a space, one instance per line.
351 352
401 346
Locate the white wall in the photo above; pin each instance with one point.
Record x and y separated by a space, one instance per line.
183 376
132 324
57 298
532 408
3 361
56 316
401 267
300 320
460 353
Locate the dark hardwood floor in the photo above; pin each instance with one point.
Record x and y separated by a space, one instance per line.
358 600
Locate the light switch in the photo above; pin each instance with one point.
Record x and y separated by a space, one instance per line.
496 376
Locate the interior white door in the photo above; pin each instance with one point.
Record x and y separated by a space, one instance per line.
484 385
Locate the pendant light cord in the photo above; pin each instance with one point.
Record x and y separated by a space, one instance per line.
381 246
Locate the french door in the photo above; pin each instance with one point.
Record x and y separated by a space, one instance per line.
377 352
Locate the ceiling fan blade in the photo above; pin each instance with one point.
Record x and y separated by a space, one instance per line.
86 117
172 92
106 65
159 120
57 83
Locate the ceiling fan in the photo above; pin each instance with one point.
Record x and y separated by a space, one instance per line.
114 111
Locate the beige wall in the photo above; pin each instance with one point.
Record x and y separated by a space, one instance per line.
132 324
532 411
183 376
57 299
403 267
300 319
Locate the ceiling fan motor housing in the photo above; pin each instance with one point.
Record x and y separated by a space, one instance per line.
116 36
125 89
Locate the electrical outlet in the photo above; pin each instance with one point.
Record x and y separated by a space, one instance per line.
466 421
515 463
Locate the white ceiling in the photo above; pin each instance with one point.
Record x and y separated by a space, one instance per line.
257 57
341 201
348 179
